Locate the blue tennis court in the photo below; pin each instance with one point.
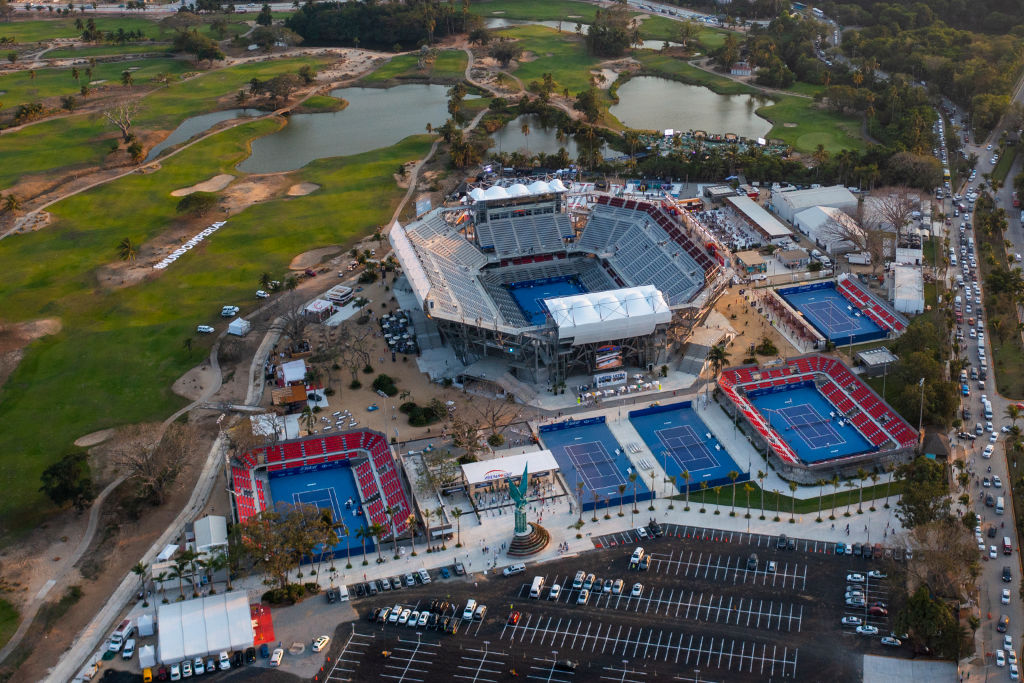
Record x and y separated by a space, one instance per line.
530 295
681 441
831 313
586 451
812 426
329 486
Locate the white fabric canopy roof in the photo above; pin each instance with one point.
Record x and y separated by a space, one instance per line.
204 626
600 316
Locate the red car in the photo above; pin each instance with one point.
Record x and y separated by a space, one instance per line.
513 618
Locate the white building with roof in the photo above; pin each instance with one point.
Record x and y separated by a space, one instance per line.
788 204
825 226
489 475
765 225
211 534
907 291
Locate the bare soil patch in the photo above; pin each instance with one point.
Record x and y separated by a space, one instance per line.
214 184
314 257
302 189
193 383
789 125
14 337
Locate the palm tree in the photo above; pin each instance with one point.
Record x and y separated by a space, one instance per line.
874 481
377 530
579 499
760 478
390 512
792 498
718 357
718 499
671 503
821 486
703 495
633 478
363 533
890 470
427 513
457 514
862 475
342 530
778 504
849 499
126 250
160 579
748 489
622 492
308 419
439 513
1013 413
597 498
685 474
127 78
525 128
733 476
835 493
265 280
140 571
654 481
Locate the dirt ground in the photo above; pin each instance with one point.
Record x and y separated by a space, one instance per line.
750 326
302 189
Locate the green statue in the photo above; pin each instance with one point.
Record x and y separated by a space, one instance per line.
518 493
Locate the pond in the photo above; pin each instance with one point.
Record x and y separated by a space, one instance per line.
511 139
651 103
374 118
195 125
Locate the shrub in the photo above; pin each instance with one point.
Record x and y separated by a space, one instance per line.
355 384
367 277
386 384
496 440
197 203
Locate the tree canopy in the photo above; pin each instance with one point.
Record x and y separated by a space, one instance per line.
69 480
379 25
925 496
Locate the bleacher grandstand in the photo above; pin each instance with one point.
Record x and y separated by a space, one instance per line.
889 435
367 453
461 263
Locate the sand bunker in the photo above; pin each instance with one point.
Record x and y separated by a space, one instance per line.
94 438
789 125
214 184
314 257
302 189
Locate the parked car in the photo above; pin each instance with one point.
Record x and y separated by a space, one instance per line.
321 643
890 641
204 329
638 589
867 630
275 659
855 578
852 621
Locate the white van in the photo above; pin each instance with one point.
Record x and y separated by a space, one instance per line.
470 609
514 569
638 555
537 587
999 505
343 593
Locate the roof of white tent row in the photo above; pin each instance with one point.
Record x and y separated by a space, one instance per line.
204 626
612 314
478 194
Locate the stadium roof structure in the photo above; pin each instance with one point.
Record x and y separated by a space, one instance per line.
509 466
596 316
537 187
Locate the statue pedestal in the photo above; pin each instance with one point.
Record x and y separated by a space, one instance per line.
534 540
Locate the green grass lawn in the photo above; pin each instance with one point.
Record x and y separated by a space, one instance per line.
20 88
83 139
8 621
323 103
663 28
104 50
681 70
539 10
814 126
448 66
842 500
562 55
38 30
1005 163
120 351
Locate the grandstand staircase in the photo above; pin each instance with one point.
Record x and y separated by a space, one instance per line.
530 544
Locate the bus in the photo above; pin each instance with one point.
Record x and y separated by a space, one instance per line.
1016 200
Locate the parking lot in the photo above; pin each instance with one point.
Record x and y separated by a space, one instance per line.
701 611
